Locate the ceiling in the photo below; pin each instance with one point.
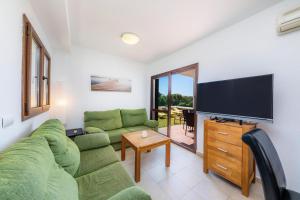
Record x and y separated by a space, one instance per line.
164 26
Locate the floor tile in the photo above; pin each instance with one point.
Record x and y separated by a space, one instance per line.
174 187
208 190
184 179
160 173
150 186
192 195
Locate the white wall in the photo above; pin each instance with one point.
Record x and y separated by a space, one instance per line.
74 70
252 47
11 66
248 48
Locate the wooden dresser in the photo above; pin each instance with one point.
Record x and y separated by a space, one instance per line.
226 154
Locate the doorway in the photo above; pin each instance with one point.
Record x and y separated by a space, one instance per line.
173 105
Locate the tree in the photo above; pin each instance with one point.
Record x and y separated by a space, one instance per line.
177 100
162 100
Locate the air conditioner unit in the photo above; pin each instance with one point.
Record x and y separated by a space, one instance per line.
289 21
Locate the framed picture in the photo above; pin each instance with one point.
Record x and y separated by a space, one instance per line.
110 84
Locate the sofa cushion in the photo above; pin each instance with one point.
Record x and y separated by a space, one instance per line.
130 194
65 151
103 183
95 159
153 124
61 185
28 171
115 135
133 117
117 146
138 128
92 141
54 132
105 120
70 159
90 130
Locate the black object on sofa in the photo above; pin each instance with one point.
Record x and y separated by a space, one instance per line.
269 165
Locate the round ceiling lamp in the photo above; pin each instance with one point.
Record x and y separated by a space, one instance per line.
130 38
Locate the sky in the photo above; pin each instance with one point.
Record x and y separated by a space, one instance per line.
180 85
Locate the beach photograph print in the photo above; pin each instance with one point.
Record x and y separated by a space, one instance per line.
110 84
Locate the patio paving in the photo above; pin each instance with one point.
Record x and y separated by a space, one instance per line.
178 134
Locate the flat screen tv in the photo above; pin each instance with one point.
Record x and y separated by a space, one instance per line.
250 97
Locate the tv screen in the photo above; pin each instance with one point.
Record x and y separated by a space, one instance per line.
250 97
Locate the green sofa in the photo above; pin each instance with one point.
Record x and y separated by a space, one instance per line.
48 165
117 122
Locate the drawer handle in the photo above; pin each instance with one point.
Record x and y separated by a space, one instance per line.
222 133
221 166
223 150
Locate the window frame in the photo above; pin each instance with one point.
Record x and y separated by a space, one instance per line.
29 34
47 106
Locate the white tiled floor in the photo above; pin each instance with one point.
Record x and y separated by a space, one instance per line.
184 179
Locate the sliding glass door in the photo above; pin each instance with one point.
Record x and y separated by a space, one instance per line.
182 128
173 97
160 102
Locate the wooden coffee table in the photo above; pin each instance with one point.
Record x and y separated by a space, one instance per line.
140 145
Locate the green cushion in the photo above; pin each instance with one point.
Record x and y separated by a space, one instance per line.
131 193
70 159
92 141
133 117
95 159
105 120
65 151
89 130
137 128
153 124
28 171
54 125
115 135
61 185
103 183
116 146
54 132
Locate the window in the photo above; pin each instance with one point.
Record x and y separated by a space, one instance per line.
35 74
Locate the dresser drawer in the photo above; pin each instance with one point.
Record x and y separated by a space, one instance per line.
228 134
227 168
226 155
224 149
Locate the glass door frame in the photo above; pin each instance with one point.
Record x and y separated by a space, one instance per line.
169 99
152 103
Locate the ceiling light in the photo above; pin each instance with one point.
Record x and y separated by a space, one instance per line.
130 38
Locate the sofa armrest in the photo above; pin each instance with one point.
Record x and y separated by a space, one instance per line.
92 141
132 193
152 124
89 130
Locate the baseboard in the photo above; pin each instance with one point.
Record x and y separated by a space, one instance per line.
199 154
258 180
